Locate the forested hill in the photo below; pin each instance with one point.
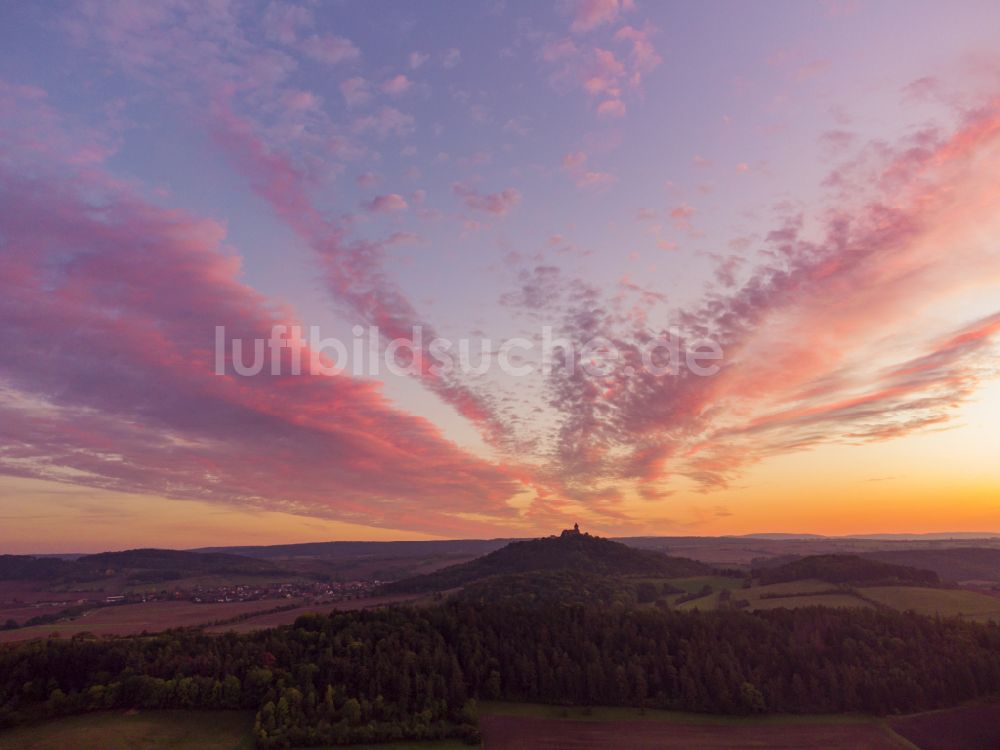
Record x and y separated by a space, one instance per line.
172 559
165 563
951 564
28 568
578 552
847 569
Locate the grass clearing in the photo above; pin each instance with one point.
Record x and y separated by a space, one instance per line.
143 730
929 601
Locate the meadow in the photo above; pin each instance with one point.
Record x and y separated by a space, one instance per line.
929 601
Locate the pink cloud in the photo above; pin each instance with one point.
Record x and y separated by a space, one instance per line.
645 58
601 72
387 121
367 180
417 59
233 74
611 108
803 333
494 203
451 58
589 179
574 160
588 15
113 385
330 49
574 164
356 91
398 84
282 21
390 203
681 216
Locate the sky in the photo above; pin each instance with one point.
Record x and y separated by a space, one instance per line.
795 205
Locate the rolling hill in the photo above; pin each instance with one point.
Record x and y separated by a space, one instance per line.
951 564
846 569
140 564
179 560
572 550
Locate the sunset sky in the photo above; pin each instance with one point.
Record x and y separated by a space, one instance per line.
813 186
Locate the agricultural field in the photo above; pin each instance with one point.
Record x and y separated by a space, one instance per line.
145 730
132 619
524 727
966 728
274 619
162 730
20 613
791 594
945 602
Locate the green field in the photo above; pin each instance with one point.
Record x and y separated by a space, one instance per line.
162 730
945 602
145 730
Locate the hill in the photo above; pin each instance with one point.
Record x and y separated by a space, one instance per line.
572 550
846 569
28 568
177 560
369 550
951 564
141 565
541 587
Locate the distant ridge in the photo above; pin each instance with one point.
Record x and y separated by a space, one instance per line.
334 550
143 564
172 559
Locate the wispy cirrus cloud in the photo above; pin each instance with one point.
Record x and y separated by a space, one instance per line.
108 381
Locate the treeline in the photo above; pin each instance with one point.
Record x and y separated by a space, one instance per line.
847 569
402 673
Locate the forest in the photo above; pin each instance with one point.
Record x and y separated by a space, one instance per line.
412 672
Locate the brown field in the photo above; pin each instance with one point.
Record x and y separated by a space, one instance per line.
530 733
132 619
22 612
968 728
274 619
